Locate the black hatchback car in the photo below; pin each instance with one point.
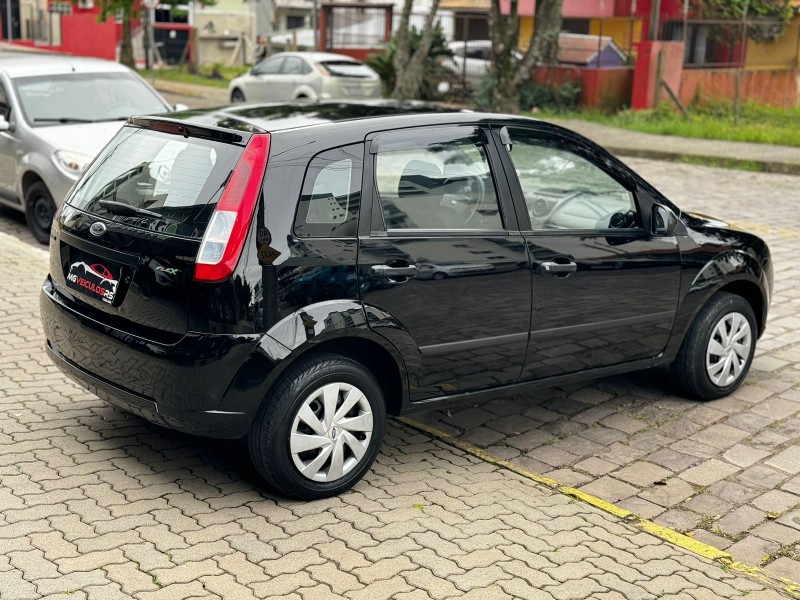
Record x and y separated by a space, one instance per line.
293 274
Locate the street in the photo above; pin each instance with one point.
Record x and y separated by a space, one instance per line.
100 504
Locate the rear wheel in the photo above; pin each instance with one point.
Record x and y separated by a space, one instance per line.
320 430
718 350
237 96
39 211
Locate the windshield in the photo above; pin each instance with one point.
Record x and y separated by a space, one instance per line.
85 98
157 181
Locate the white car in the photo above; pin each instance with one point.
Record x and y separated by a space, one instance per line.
471 61
291 76
56 113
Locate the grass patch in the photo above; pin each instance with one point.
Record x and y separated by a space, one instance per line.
759 124
213 75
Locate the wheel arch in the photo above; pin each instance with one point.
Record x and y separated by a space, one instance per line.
339 327
750 291
370 353
29 177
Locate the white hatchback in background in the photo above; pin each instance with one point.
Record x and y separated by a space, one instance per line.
291 76
56 113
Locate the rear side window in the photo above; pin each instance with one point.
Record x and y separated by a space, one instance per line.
331 195
157 181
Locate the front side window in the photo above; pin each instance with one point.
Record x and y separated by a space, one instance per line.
442 183
270 66
331 195
565 191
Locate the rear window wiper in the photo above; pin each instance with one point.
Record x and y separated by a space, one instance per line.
63 120
120 208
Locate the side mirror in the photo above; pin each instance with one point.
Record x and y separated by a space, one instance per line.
505 139
181 106
4 124
663 221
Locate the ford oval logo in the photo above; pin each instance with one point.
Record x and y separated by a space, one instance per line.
97 229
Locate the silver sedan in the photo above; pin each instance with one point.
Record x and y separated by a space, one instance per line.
291 76
56 114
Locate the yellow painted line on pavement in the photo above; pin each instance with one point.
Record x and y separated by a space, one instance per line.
761 229
724 559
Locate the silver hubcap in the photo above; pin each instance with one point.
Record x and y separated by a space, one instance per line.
331 432
728 349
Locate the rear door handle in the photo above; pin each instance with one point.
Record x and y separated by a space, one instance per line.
555 268
387 272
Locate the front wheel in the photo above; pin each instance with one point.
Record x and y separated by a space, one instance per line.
39 211
321 428
718 349
237 96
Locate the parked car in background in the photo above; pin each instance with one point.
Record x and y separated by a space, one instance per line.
291 76
302 244
56 113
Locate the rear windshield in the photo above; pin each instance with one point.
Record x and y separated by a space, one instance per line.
157 181
347 68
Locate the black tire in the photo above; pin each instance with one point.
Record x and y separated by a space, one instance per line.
39 211
268 438
438 276
237 96
689 369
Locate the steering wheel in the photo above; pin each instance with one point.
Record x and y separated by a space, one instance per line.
622 220
470 187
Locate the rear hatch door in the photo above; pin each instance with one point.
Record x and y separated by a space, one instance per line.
130 232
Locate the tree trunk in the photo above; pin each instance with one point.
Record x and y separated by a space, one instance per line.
403 41
409 79
547 27
508 72
126 45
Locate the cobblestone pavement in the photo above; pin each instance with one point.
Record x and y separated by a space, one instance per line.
95 503
725 471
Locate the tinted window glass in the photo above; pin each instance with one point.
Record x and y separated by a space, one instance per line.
331 195
269 67
442 185
157 181
5 109
565 191
85 97
347 68
293 66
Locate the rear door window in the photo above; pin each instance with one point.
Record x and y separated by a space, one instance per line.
157 181
436 180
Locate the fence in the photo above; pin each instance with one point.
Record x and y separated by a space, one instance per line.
751 44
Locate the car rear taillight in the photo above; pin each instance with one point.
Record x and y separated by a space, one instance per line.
226 232
322 69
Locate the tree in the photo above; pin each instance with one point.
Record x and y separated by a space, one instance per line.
766 19
383 62
510 69
409 62
110 8
129 9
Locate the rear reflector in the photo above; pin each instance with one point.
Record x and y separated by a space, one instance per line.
226 232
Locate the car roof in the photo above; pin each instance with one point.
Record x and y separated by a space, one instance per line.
375 115
317 56
24 64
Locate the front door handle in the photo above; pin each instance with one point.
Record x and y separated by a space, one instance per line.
555 268
387 272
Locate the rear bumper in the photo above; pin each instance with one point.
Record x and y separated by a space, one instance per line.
182 386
